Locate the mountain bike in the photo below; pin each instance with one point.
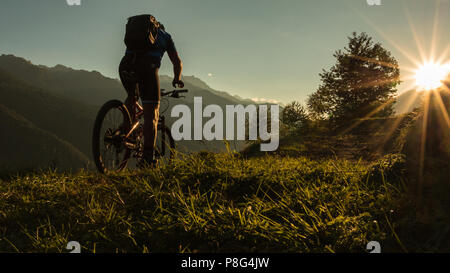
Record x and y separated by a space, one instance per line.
118 137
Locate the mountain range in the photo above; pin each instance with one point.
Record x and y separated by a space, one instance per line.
47 113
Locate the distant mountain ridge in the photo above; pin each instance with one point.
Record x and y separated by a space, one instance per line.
83 86
37 130
48 112
93 88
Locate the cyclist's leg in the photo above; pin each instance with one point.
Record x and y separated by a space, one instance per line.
127 65
150 95
151 116
130 102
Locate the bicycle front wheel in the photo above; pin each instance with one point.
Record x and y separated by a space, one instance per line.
165 145
112 123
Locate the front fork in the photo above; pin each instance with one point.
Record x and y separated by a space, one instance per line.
161 126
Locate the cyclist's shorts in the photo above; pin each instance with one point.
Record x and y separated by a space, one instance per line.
145 70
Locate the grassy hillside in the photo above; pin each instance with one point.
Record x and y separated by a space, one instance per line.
208 203
324 190
362 140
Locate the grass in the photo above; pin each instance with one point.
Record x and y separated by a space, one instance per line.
206 203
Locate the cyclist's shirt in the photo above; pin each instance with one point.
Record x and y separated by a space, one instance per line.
163 43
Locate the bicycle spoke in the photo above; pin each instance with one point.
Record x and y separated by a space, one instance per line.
163 150
115 147
112 150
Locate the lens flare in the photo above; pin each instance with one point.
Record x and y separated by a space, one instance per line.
430 75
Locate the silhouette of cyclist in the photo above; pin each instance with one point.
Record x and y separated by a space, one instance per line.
143 59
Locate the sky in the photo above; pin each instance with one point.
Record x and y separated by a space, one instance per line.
261 49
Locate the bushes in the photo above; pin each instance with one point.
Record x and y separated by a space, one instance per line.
391 167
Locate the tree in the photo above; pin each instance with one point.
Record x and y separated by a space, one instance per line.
364 79
295 116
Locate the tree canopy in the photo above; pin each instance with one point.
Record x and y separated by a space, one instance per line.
362 82
295 117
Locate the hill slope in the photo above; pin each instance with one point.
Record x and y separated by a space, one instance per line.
68 119
26 146
206 203
64 102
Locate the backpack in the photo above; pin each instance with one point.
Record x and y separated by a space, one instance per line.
141 32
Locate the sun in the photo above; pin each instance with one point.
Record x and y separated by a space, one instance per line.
430 75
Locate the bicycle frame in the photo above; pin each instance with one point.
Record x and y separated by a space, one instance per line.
127 135
136 118
139 112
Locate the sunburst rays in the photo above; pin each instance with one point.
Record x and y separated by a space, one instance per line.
424 57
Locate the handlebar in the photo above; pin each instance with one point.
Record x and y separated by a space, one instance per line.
173 93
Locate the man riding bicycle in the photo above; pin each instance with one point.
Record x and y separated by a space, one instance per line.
147 41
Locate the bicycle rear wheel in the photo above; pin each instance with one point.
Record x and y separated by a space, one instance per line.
112 123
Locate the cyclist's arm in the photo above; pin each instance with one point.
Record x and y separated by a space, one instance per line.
177 65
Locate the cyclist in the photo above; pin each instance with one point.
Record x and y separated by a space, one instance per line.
145 61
